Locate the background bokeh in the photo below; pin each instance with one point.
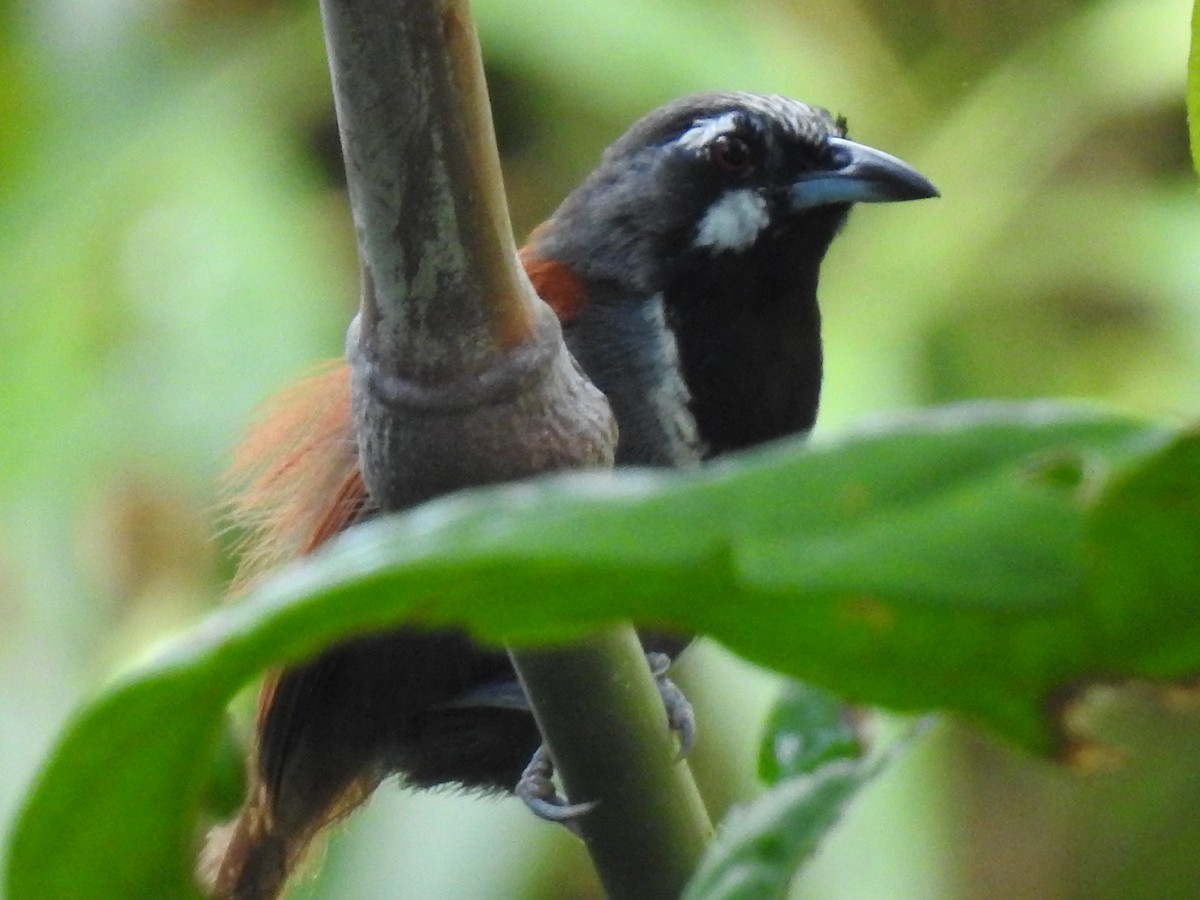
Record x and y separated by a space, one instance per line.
175 245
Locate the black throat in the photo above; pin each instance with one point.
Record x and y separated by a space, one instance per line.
748 332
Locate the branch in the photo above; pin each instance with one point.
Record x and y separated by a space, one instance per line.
459 373
460 377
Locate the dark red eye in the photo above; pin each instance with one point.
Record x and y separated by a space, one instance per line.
731 153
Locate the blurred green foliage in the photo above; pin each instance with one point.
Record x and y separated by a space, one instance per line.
174 246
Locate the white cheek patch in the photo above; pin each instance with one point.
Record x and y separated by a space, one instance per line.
734 222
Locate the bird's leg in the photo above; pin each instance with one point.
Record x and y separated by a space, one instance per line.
680 715
536 790
536 786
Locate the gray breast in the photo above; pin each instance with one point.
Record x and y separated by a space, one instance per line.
629 353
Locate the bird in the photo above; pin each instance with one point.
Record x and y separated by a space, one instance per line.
683 270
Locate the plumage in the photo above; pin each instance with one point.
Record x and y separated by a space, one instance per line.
684 270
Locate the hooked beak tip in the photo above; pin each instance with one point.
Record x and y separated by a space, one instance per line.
861 174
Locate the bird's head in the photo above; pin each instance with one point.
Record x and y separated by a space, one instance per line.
713 177
685 267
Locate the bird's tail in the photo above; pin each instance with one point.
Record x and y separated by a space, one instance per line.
254 856
294 484
249 858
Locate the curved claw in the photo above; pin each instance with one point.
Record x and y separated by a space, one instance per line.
536 786
556 809
537 792
680 715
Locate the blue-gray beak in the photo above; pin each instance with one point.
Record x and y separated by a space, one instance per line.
860 174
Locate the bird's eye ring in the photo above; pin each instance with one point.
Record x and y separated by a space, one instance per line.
731 153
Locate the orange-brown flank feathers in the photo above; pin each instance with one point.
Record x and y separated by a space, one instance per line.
557 285
296 475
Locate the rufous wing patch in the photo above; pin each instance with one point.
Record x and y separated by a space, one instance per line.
555 283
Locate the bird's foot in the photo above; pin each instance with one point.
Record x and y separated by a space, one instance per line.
536 790
680 715
536 785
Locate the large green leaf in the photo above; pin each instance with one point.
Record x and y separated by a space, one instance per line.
1145 581
941 560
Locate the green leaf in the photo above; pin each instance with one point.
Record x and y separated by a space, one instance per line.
761 845
114 814
1143 537
808 727
813 756
943 560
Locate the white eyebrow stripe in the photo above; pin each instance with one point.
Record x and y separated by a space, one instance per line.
791 112
703 131
733 222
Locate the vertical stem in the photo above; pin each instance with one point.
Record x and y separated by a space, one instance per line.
608 735
459 375
424 177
